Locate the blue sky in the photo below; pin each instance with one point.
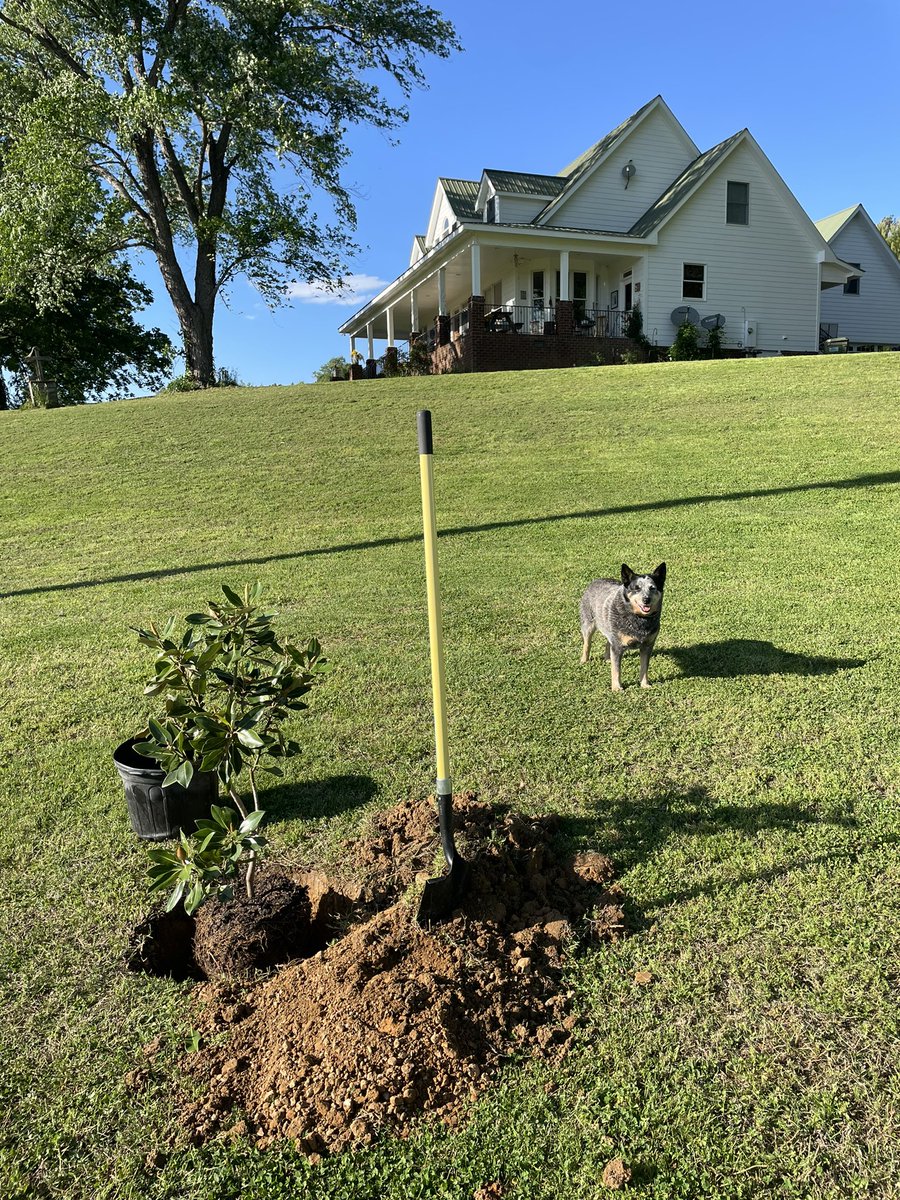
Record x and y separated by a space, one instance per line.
537 83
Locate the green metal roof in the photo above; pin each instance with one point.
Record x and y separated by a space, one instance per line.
829 226
682 186
520 183
585 161
462 194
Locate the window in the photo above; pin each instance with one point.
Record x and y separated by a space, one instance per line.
490 211
851 287
693 282
738 203
579 294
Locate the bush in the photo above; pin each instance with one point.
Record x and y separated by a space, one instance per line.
335 367
686 345
226 686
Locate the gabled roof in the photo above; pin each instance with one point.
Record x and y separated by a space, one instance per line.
593 154
830 227
578 171
518 183
462 194
691 177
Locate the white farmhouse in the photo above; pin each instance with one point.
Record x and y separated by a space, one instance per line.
525 270
866 310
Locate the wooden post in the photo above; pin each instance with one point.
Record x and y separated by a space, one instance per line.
41 390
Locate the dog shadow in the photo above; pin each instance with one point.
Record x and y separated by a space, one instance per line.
751 656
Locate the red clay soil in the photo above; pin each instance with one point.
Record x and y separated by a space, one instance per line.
390 1022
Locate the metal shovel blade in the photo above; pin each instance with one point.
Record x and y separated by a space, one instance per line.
443 894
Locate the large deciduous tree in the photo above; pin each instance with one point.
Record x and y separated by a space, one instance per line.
203 132
889 228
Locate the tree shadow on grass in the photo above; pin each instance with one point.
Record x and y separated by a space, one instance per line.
643 827
316 798
751 656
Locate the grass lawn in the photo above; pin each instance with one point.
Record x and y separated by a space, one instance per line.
750 798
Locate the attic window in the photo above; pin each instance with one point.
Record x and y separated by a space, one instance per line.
490 210
737 210
851 287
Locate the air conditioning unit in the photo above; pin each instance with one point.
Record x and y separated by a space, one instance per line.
750 331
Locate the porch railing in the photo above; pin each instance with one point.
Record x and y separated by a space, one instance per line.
541 320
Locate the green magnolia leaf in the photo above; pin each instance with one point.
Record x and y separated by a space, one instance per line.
232 596
251 821
251 740
195 898
157 731
176 896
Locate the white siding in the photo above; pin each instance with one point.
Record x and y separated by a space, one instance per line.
442 215
518 208
660 151
872 317
767 269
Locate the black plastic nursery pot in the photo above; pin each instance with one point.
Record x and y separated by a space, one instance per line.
158 812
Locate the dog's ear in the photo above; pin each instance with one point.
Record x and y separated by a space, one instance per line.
627 574
660 575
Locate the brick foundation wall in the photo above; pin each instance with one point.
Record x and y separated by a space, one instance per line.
481 350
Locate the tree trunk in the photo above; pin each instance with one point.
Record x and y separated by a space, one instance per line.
197 332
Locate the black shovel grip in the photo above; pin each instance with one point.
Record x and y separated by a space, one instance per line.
423 424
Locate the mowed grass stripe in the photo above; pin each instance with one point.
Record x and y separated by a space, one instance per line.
750 798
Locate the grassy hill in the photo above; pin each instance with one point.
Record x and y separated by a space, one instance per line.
750 798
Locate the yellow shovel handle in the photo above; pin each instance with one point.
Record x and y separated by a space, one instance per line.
435 631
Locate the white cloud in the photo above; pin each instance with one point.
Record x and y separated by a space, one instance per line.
357 290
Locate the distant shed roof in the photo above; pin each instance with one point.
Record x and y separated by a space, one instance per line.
829 226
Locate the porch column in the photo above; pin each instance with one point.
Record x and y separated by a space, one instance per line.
390 326
563 275
371 364
476 269
442 292
413 311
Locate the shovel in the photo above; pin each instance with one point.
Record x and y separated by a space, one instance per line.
442 894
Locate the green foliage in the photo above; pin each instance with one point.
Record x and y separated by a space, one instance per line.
226 687
686 345
207 863
889 228
92 340
205 127
634 330
187 383
325 373
714 341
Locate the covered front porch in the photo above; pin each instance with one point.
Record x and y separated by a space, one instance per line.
501 302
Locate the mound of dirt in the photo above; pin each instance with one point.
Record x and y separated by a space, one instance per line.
391 1021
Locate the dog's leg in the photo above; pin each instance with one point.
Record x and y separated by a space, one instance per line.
646 651
586 648
615 661
606 652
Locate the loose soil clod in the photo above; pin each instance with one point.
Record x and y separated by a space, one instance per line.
391 1021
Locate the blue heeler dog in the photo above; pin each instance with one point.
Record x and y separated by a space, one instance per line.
627 614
